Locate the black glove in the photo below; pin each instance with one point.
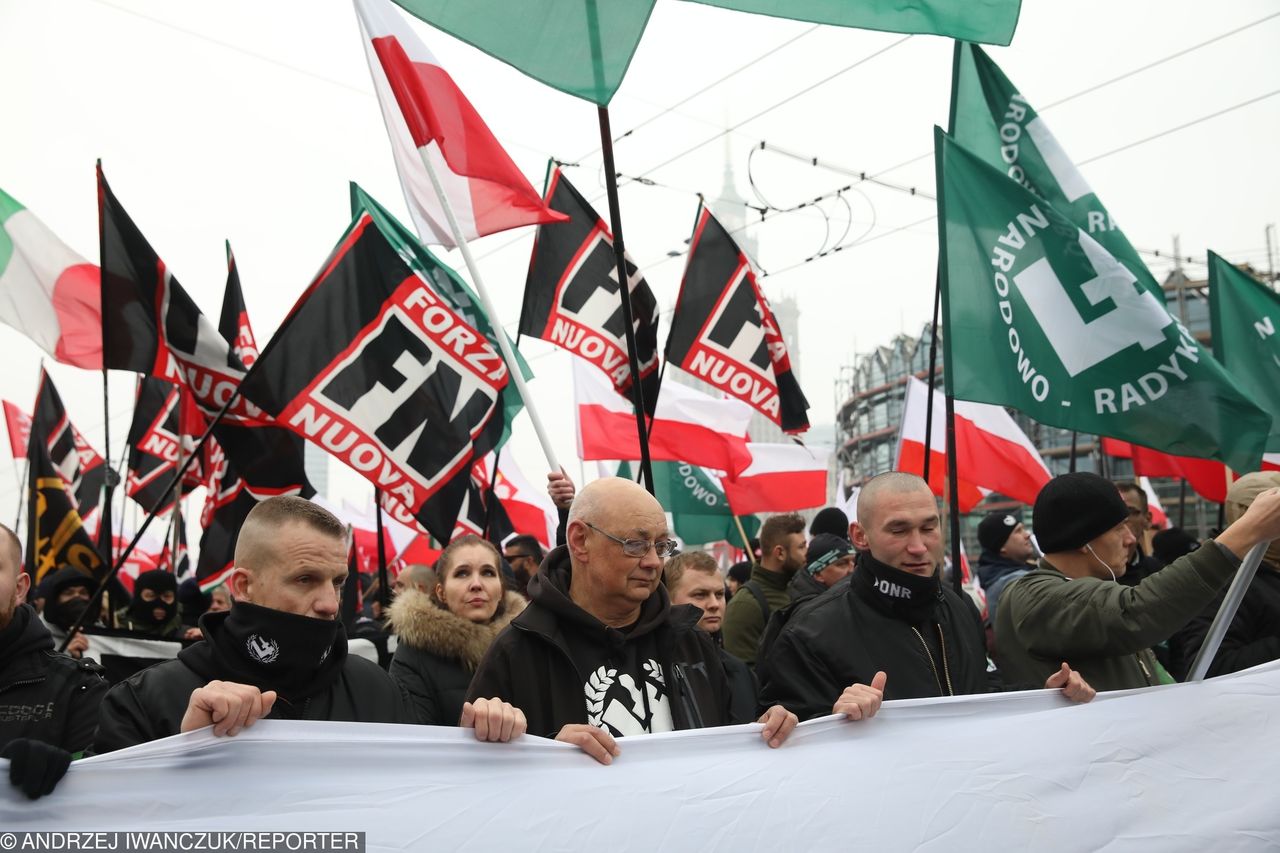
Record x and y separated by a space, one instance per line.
35 766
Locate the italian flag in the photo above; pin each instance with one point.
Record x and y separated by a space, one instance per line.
428 116
47 291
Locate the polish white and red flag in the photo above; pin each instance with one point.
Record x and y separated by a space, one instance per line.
992 453
530 509
428 116
781 478
687 426
18 423
1159 518
1209 478
1271 462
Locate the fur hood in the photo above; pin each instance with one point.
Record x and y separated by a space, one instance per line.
422 624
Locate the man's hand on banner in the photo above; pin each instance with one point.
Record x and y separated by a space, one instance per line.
560 488
227 706
35 766
1073 686
493 720
861 701
778 724
595 742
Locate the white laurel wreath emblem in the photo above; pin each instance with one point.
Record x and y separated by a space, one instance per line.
654 672
598 684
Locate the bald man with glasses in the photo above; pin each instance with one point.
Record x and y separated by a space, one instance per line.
600 653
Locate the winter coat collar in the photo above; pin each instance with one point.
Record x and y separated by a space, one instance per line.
422 624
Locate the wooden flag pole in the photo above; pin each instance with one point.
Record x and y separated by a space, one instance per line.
746 540
508 355
624 295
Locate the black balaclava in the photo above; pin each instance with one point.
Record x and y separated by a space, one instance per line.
143 612
64 615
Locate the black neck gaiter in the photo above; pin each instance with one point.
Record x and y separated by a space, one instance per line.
899 594
297 656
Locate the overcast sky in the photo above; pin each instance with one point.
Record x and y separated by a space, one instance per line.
245 119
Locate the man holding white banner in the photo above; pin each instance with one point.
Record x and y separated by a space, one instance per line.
894 630
280 651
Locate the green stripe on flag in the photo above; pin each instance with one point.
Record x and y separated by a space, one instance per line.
8 207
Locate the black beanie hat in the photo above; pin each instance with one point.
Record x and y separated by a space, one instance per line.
1074 509
824 550
830 520
995 529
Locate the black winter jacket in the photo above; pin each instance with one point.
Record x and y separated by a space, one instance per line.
1252 638
151 704
46 695
437 653
842 637
531 666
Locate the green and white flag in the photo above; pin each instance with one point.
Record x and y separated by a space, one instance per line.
699 511
1245 316
583 47
993 121
1042 318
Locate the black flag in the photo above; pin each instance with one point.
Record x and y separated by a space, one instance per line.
55 533
377 368
233 323
724 332
78 464
571 294
163 333
157 437
226 505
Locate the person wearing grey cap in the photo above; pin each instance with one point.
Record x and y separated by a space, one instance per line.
1071 607
1006 550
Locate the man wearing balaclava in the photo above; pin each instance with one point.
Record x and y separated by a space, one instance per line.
67 594
1254 634
279 652
1071 607
894 631
154 607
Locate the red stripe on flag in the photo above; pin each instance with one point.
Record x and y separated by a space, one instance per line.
776 491
608 434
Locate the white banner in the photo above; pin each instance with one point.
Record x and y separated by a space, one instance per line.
1184 767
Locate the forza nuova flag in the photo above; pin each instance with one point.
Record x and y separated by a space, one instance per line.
571 293
375 367
994 122
78 464
724 332
233 322
1041 318
157 443
55 531
156 328
47 291
447 284
1245 315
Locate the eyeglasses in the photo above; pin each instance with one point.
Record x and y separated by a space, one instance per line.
640 547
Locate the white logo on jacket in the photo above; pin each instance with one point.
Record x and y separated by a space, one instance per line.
262 649
622 707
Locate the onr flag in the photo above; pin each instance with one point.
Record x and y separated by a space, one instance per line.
1042 318
1245 315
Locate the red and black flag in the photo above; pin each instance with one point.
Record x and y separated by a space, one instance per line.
55 532
571 294
482 514
376 367
225 509
78 464
163 433
724 332
233 323
157 329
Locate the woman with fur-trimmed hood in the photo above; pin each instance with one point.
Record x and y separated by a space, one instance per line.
442 635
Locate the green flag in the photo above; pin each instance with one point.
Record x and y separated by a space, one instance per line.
992 120
1245 316
1042 318
447 283
699 511
987 21
583 47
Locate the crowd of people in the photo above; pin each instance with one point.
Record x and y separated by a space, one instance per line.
617 633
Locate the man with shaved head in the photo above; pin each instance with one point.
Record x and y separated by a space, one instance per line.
600 653
279 652
893 629
48 701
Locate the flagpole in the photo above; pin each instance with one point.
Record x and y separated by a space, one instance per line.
105 524
499 332
151 516
954 493
933 362
1227 612
1071 464
384 588
746 540
1182 503
624 294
